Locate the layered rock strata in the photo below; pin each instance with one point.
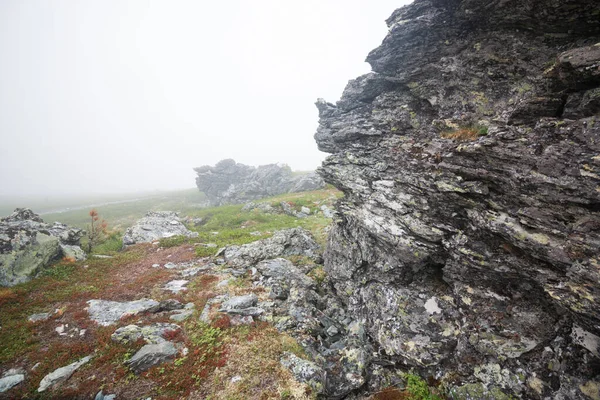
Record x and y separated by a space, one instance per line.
468 240
229 182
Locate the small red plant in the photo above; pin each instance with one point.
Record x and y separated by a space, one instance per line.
171 334
96 231
222 322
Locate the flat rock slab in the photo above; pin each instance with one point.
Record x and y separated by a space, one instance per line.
239 302
152 334
154 226
151 355
10 381
181 315
287 242
39 317
106 312
176 286
61 374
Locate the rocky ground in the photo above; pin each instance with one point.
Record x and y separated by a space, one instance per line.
161 320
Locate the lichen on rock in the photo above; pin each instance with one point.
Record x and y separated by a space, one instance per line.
499 224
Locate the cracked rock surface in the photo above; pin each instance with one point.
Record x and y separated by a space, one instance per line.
469 234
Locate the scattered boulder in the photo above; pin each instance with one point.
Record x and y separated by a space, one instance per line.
152 334
154 226
106 312
151 355
239 302
11 379
28 245
295 241
229 182
176 286
62 374
101 396
39 317
304 371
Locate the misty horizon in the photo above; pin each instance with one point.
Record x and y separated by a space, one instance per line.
126 97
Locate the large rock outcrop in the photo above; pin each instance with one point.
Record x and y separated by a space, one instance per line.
469 235
27 245
229 182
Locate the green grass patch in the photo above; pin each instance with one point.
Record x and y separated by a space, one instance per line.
229 225
418 388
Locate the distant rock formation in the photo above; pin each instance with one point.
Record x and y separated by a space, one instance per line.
229 182
468 240
27 245
156 225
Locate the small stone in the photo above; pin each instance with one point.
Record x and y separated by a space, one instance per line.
39 317
170 265
10 381
60 329
153 266
305 210
182 315
102 396
223 283
236 378
61 374
176 286
332 330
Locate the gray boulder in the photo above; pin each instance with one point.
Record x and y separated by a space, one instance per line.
239 302
304 371
156 225
229 182
61 374
152 334
106 312
10 380
287 242
28 245
151 355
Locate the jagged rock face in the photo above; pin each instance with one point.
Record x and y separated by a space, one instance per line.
469 234
229 182
27 245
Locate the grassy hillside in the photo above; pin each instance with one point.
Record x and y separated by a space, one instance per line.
123 212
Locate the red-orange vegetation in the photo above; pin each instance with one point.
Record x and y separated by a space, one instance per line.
222 321
391 394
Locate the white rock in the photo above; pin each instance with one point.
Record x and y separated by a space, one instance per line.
432 307
105 312
10 381
61 374
176 286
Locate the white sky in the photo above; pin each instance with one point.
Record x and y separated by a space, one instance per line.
120 96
